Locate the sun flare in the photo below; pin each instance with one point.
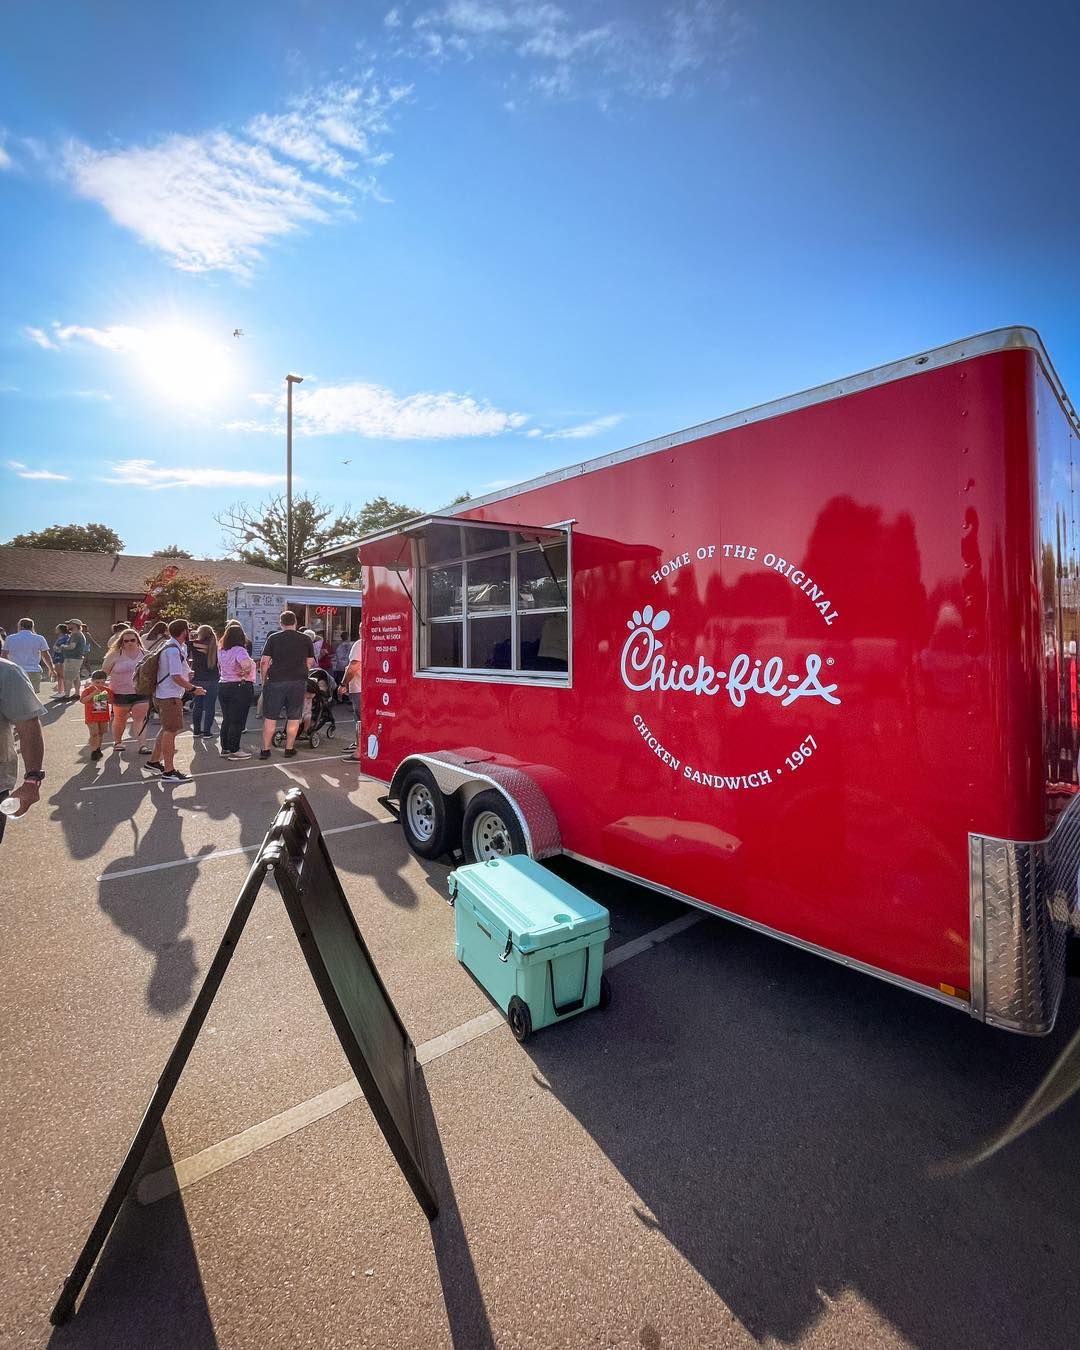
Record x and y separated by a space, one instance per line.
185 365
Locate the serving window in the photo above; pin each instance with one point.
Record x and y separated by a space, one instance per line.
494 602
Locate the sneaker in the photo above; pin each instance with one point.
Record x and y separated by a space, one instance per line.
95 754
353 746
175 776
155 764
146 749
264 754
289 754
238 754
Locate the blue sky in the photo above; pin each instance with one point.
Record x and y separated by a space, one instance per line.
495 237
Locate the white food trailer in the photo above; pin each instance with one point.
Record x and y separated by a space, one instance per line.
326 610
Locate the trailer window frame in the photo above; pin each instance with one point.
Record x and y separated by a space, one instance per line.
423 621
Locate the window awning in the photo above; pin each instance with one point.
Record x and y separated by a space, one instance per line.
419 526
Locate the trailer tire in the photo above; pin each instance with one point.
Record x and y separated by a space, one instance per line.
491 829
519 1017
429 820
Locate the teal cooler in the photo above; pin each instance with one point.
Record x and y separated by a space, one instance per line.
532 940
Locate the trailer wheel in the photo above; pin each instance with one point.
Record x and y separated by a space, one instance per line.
604 1000
429 819
519 1017
491 829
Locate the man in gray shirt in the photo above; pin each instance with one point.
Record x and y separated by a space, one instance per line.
21 711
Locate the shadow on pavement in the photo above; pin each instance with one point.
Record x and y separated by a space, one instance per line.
790 1125
465 1312
146 1289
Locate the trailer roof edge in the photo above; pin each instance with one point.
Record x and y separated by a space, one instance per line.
1017 337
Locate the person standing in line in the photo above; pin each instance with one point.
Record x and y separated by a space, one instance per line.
352 683
59 647
28 649
203 655
173 680
154 635
236 672
74 654
97 710
20 711
341 660
286 659
122 656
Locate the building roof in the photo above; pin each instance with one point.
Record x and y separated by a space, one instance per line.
40 570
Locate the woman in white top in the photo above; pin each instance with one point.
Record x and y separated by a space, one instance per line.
122 655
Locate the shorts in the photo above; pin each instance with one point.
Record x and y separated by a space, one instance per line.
34 676
128 700
283 698
170 713
72 669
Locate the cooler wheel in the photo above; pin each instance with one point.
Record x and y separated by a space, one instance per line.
517 1014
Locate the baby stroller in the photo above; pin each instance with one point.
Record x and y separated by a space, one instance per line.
318 721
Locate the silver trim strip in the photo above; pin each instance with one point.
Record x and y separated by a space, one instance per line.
927 991
982 344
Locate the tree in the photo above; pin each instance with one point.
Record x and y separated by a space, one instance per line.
188 595
80 538
170 551
257 534
380 513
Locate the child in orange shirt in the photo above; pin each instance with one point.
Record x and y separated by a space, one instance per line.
96 699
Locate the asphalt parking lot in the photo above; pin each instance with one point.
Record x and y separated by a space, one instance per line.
751 1146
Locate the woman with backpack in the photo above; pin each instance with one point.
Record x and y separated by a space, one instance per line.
122 655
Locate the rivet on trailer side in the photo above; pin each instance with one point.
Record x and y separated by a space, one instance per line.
812 666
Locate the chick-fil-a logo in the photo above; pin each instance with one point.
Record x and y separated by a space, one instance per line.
645 667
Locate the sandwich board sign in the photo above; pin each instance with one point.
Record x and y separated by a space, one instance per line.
379 1049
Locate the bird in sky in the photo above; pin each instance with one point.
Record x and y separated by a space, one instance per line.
238 332
346 461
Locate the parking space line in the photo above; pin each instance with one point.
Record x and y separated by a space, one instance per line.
210 773
157 1185
226 853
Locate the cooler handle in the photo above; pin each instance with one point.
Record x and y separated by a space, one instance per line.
561 1009
508 948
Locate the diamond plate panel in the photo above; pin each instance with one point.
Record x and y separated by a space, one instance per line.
1023 905
527 798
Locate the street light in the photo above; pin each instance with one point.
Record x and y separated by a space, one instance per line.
290 380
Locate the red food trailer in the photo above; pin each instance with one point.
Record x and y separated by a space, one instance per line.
811 667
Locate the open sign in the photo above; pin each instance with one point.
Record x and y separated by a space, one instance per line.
326 609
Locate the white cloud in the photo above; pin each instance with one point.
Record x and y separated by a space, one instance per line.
216 201
207 203
392 18
376 413
145 473
116 338
657 55
319 127
24 471
42 338
369 410
6 162
583 430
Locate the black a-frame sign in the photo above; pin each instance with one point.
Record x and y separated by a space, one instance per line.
378 1047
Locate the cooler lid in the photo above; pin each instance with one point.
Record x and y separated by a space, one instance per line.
538 908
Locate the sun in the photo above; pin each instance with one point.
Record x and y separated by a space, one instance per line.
186 366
